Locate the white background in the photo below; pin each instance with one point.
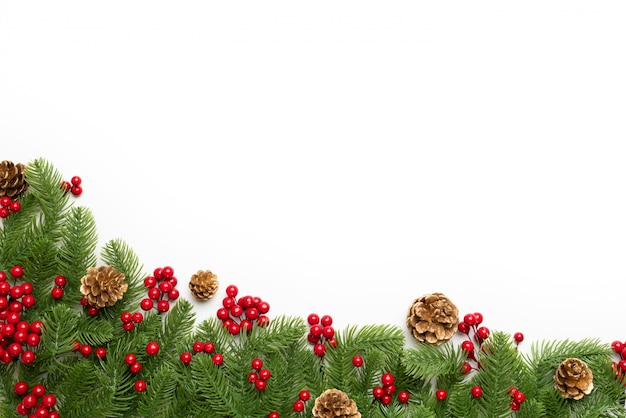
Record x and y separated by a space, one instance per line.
343 157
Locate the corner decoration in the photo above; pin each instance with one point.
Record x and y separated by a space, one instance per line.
87 333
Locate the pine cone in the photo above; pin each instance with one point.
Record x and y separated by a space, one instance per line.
432 318
203 284
334 403
103 286
12 180
573 378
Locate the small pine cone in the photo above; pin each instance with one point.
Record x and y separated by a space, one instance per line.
12 180
433 318
103 286
203 284
573 378
334 403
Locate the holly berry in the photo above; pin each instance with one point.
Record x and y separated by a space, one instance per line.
152 348
56 293
482 332
469 319
86 349
260 384
477 391
265 374
140 385
463 327
130 359
298 406
518 337
326 320
135 367
273 415
60 281
319 349
403 396
387 379
137 317
5 201
378 392
313 319
441 394
479 318
15 206
304 395
28 357
48 400
17 271
357 361
185 357
101 352
76 190
20 388
209 347
519 397
232 291
257 364
218 359
146 304
76 181
467 346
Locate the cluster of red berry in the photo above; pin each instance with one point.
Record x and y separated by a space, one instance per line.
59 284
86 350
620 366
18 337
161 289
517 398
384 392
202 347
152 349
130 319
321 332
242 313
37 403
7 206
259 376
73 186
298 405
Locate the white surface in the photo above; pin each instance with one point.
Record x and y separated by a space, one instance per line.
343 158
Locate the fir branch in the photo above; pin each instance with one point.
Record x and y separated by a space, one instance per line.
77 250
117 254
214 397
159 399
93 331
57 339
177 323
427 361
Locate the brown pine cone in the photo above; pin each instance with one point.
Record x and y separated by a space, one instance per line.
103 286
573 378
12 180
334 403
203 284
432 318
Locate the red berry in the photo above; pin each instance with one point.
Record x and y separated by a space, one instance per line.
236 310
54 414
326 320
92 310
86 349
479 318
518 337
135 367
304 395
128 326
622 365
298 406
152 348
387 379
483 332
198 346
260 384
477 391
389 389
441 394
328 332
48 400
4 213
17 271
273 415
403 396
29 400
623 353
28 301
252 377
218 359
515 406
209 347
157 273
60 281
66 185
163 306
101 352
232 291
469 319
146 304
137 317
467 346
265 374
126 316
76 181
167 272
257 364
313 339
20 388
463 327
28 357
222 313
263 320
378 392
386 399
140 385
519 397
56 293
173 294
36 326
263 307
33 340
154 293
185 357
76 190
5 201
617 346
130 359
234 328
15 206
357 361
150 282
316 330
252 313
319 349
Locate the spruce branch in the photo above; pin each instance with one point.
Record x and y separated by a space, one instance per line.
159 400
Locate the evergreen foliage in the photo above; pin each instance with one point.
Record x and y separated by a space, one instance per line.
51 236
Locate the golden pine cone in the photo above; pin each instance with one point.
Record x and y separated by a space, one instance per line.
432 318
12 180
203 284
573 378
103 286
334 403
